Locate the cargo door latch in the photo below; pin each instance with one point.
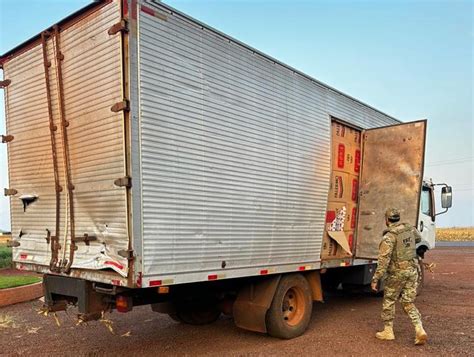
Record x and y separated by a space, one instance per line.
126 253
123 182
121 26
85 238
120 106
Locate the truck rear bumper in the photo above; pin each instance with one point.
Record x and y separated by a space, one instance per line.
59 291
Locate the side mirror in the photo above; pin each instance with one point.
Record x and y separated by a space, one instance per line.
446 197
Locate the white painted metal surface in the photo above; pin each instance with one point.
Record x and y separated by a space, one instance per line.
235 152
92 75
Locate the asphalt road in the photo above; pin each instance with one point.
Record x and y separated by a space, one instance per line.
344 325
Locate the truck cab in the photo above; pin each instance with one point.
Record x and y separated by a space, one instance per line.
427 214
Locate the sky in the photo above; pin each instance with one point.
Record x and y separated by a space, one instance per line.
410 59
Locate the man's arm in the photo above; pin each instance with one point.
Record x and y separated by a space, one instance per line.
385 255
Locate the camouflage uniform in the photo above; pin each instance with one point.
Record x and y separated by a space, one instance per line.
397 259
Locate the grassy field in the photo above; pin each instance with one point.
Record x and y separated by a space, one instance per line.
5 256
17 280
455 234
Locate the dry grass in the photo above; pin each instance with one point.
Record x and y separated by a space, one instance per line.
6 321
455 234
4 238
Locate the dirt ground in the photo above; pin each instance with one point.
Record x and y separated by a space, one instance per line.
10 272
343 325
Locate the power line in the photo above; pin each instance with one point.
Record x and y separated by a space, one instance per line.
449 162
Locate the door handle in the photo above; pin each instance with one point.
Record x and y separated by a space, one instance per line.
421 226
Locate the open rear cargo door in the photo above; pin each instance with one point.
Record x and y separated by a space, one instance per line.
392 174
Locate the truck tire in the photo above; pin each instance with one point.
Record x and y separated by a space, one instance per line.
290 311
196 314
421 277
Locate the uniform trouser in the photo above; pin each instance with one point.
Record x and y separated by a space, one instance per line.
401 284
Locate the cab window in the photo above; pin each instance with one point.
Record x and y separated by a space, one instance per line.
426 201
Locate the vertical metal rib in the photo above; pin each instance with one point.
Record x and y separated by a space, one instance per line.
54 239
65 124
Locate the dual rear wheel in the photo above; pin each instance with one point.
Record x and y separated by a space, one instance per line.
288 316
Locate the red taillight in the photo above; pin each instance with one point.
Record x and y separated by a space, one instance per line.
155 283
264 272
123 303
212 277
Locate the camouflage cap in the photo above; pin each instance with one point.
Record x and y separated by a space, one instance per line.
392 214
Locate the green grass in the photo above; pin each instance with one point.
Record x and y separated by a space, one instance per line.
17 280
5 256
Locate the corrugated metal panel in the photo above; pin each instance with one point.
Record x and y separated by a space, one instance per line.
235 154
352 112
29 155
235 151
92 77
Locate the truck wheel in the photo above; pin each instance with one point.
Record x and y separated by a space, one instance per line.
421 277
196 315
290 311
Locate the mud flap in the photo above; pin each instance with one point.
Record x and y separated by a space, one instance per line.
314 280
253 302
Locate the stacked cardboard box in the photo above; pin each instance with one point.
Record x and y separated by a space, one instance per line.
343 193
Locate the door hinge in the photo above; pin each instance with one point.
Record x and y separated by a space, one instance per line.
126 253
123 182
5 83
120 106
13 244
7 138
10 192
121 26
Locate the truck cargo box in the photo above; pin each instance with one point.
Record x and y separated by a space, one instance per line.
146 148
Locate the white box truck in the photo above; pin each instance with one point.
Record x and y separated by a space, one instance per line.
155 160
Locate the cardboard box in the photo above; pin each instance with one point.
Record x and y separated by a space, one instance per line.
329 247
344 187
350 241
353 189
334 208
345 134
346 158
336 248
340 188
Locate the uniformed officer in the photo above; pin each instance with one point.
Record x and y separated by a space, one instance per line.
397 261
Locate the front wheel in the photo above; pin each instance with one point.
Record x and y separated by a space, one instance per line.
290 311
